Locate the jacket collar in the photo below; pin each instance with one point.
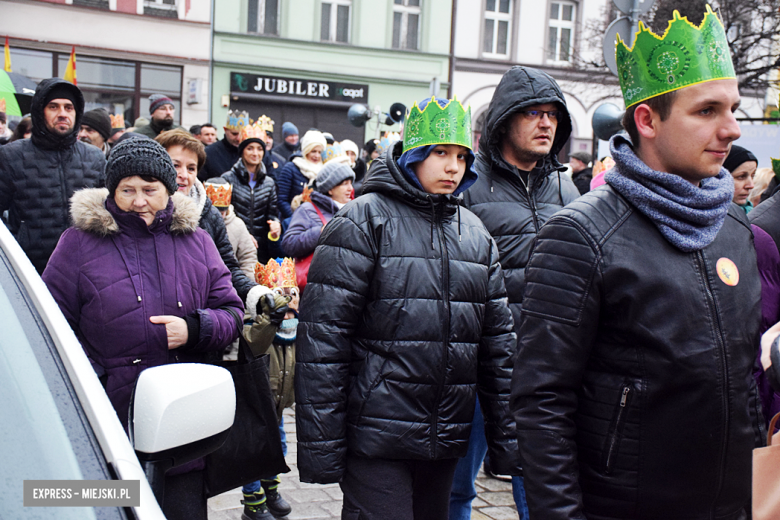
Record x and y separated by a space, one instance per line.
94 212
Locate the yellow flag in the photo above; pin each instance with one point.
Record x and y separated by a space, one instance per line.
7 56
70 70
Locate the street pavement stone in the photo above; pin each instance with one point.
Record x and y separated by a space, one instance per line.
314 501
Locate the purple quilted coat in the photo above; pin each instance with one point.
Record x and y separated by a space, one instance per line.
110 273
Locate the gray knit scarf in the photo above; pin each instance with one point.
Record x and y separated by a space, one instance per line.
689 217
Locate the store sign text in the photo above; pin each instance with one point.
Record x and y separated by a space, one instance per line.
297 87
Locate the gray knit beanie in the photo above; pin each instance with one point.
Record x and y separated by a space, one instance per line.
331 175
142 157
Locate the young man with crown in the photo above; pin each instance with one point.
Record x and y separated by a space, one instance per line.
222 155
632 391
403 321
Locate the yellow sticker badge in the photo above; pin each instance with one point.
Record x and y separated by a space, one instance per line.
727 271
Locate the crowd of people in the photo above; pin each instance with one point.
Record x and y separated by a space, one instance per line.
596 336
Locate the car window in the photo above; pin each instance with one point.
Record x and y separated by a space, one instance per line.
44 433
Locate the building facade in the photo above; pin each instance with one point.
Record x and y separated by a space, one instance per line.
126 50
490 36
308 61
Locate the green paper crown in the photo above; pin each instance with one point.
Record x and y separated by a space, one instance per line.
685 55
437 125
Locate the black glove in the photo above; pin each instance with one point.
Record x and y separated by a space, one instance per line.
275 306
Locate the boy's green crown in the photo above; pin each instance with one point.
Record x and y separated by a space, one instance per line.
437 125
685 55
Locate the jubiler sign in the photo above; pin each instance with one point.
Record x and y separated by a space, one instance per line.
298 88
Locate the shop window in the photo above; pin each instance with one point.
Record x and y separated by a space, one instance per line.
561 31
263 17
406 24
98 4
334 24
498 17
36 65
163 8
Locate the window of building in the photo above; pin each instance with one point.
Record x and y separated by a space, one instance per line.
119 86
164 8
263 17
498 15
561 32
334 25
406 24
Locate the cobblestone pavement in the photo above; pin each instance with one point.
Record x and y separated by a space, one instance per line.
315 501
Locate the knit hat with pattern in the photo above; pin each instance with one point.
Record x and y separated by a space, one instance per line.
331 175
158 100
142 157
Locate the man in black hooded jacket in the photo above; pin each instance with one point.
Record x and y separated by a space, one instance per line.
39 175
520 186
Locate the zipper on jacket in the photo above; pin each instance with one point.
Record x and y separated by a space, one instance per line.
63 191
445 275
721 344
531 202
614 435
252 209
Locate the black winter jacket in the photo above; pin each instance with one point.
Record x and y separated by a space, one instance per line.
38 176
213 223
404 319
255 206
512 210
220 157
633 391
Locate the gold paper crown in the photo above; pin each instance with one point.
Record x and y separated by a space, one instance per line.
266 123
685 55
273 275
237 120
253 131
334 152
117 121
219 194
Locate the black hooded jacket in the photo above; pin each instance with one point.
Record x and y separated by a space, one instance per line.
39 175
512 210
403 321
220 157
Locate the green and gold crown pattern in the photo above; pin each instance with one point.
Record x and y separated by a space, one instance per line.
437 125
685 55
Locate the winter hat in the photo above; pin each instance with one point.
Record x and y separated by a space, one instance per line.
158 100
99 121
311 139
736 157
248 141
582 156
331 175
289 129
141 121
142 157
62 90
253 133
370 146
350 146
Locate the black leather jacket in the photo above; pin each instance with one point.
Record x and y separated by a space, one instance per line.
633 392
404 319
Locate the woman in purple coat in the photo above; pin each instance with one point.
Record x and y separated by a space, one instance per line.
332 190
141 285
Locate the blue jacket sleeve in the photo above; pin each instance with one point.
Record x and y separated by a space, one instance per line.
302 235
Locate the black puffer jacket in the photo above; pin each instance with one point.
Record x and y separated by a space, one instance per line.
255 206
512 211
38 176
403 318
213 223
633 391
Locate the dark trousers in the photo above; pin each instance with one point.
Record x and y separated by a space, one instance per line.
381 489
185 497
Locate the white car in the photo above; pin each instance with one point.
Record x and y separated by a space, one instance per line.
56 422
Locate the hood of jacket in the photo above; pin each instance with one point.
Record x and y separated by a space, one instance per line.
42 137
385 176
520 88
89 213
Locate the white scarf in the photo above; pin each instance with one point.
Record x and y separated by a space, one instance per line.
308 168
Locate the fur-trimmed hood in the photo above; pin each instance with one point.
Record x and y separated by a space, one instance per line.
89 213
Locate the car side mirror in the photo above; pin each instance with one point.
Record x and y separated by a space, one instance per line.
178 413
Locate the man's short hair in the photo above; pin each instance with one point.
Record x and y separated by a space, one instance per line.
661 104
195 129
180 137
208 125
